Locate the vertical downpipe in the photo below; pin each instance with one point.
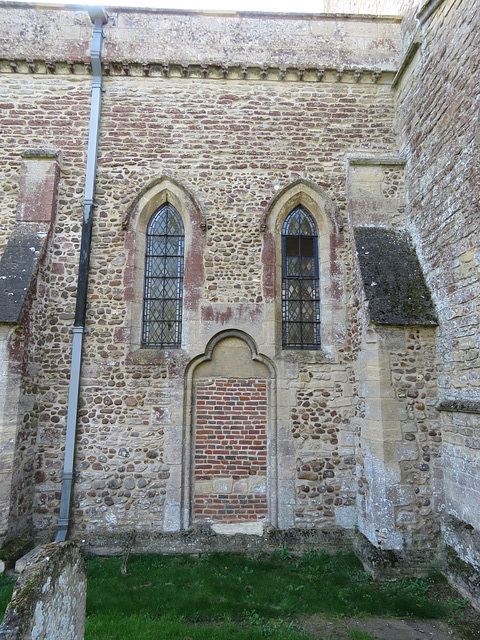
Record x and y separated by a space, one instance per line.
99 18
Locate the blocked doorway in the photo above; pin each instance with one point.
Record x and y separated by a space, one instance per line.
233 438
230 482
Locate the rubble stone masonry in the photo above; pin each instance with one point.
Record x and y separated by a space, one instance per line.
233 144
235 120
438 113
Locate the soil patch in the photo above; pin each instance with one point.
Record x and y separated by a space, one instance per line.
390 628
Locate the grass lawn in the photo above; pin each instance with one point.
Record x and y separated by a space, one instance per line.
232 596
6 589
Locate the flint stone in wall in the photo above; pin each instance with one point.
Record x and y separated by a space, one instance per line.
48 602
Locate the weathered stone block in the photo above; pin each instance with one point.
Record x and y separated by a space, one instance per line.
49 597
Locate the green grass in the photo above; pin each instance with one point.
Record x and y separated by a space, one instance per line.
360 635
235 597
6 590
142 627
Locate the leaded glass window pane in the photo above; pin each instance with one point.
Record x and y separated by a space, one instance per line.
162 306
300 282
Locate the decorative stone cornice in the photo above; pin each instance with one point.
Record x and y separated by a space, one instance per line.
199 71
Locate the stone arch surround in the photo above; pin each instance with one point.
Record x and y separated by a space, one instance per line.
230 439
330 246
157 193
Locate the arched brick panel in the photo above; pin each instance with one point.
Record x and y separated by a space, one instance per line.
230 443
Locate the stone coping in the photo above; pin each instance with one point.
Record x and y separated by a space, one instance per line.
459 406
18 266
409 56
112 8
40 154
375 160
429 7
202 538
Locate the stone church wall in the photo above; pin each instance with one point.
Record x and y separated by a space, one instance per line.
233 147
438 122
347 437
50 113
225 144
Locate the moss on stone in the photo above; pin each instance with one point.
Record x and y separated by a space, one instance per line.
14 550
392 277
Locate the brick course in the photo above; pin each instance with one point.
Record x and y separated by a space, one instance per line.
231 446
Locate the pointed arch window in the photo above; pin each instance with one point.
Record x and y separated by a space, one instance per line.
300 282
163 294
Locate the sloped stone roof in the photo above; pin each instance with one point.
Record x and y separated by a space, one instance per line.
393 280
18 267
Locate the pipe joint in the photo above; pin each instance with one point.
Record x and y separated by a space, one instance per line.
79 330
97 15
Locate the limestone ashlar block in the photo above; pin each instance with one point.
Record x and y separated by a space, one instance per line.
173 453
39 176
222 485
325 42
49 597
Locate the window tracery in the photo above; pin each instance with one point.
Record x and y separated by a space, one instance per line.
163 291
300 282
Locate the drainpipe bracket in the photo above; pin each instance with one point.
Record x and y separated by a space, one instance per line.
79 330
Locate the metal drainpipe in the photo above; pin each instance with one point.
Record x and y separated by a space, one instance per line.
99 18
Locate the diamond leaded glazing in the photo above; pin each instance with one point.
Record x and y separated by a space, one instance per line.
162 303
300 282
